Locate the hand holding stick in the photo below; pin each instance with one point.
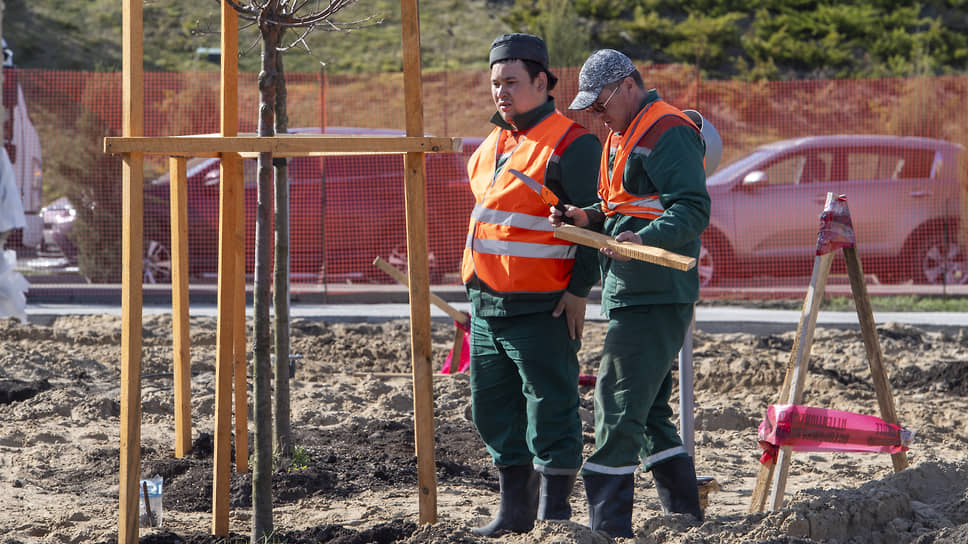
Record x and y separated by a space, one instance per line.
649 254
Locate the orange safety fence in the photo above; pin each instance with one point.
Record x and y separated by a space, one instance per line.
894 147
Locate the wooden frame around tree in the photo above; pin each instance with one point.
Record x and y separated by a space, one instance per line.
230 336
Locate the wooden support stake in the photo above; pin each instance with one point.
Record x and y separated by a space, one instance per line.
874 355
765 476
282 145
416 202
649 254
818 283
796 369
792 392
230 194
454 313
392 271
132 249
179 300
455 350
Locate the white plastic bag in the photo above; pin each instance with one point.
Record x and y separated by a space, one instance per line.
13 288
11 204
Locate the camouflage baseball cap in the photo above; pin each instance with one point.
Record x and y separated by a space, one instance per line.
602 67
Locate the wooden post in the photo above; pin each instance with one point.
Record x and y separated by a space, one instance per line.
874 355
229 189
391 271
765 475
132 244
455 314
416 202
178 198
796 367
818 283
792 392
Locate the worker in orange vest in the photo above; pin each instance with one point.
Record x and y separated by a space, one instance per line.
652 190
527 288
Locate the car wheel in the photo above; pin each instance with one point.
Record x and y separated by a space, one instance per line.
157 262
706 266
713 260
397 256
940 260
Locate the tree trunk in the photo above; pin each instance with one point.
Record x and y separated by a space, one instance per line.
280 283
261 383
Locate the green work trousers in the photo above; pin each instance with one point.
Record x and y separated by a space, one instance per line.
633 419
524 391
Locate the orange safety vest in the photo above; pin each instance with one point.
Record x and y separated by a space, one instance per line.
615 199
510 243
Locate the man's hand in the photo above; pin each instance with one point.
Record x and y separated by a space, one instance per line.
577 215
574 308
624 236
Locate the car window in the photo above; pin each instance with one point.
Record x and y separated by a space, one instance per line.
784 171
300 169
916 163
728 173
870 165
363 167
816 167
891 163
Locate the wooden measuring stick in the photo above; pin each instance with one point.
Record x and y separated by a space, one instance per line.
454 313
640 252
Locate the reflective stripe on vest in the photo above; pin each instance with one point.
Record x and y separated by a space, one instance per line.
510 243
615 199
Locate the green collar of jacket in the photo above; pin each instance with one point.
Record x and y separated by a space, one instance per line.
525 120
651 96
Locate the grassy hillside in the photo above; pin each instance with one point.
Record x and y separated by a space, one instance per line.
454 34
727 39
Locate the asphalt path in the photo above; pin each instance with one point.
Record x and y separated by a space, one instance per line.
712 319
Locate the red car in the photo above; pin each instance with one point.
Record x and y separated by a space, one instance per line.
344 212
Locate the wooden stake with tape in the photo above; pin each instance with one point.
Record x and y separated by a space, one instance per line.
772 478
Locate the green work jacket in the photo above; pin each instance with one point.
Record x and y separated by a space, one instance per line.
673 169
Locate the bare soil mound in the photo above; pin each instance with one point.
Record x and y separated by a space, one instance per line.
352 418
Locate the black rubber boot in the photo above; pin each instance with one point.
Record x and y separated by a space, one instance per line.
675 481
610 503
519 502
553 498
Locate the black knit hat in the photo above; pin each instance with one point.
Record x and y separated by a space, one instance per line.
524 47
519 46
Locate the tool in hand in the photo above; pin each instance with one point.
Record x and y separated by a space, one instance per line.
546 194
454 313
641 252
458 360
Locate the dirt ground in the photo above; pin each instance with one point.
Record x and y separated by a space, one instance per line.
60 435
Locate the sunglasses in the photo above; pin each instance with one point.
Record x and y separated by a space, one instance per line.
600 108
